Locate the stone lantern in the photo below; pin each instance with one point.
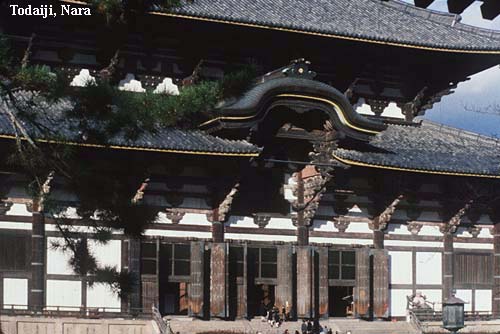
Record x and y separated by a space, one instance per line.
453 314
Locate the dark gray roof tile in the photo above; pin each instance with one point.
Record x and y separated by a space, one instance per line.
387 21
430 147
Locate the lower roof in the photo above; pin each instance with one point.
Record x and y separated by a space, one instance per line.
163 140
429 148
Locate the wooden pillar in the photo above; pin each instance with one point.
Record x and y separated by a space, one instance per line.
242 289
380 283
217 232
362 290
36 299
447 265
378 239
134 264
496 272
196 287
218 280
304 282
323 282
284 288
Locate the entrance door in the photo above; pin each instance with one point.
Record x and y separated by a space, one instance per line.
260 297
340 301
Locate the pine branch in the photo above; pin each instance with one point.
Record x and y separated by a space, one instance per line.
27 53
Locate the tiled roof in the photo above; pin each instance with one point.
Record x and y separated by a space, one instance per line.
162 140
391 22
430 148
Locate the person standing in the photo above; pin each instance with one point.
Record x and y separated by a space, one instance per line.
303 327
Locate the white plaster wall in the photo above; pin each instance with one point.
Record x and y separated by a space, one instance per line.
178 234
466 296
281 223
399 229
18 210
428 268
100 295
413 243
161 218
57 260
434 296
429 230
483 300
472 245
401 267
15 292
398 301
5 225
358 227
392 110
341 241
237 221
195 219
64 293
324 226
261 237
108 254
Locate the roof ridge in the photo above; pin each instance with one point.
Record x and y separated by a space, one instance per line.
461 132
449 19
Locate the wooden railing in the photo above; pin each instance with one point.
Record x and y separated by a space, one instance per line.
78 312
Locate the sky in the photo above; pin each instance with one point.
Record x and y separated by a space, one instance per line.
482 92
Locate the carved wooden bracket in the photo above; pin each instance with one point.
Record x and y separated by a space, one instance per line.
139 195
261 220
175 216
380 222
456 219
4 207
225 205
341 223
414 227
474 230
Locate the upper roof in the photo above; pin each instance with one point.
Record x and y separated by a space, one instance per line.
164 140
429 148
390 22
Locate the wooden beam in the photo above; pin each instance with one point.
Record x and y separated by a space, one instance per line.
458 6
423 3
490 9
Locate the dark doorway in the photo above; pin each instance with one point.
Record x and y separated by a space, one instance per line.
173 298
340 301
260 298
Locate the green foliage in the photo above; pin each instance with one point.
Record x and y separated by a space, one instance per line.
120 282
36 78
5 56
236 83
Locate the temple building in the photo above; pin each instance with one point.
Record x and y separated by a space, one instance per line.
319 190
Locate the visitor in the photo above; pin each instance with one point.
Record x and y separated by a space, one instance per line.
303 327
309 327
